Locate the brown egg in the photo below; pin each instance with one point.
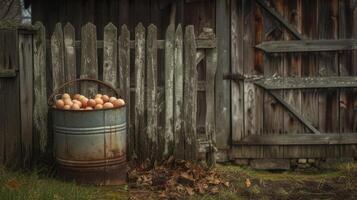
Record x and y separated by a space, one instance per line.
98 96
75 106
66 96
77 102
108 105
122 102
105 98
88 108
112 99
68 101
99 101
66 107
98 106
76 96
91 103
118 103
59 104
84 102
81 97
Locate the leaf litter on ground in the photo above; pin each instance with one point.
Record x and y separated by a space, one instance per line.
176 178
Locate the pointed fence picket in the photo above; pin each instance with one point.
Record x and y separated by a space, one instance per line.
149 137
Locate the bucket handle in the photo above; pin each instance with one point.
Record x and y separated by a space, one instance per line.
50 102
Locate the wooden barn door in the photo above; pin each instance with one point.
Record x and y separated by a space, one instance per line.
293 79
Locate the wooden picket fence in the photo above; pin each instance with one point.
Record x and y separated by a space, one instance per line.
149 135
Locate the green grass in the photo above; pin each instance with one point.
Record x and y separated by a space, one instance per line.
25 185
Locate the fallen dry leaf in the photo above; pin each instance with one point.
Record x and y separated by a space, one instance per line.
247 183
13 184
214 190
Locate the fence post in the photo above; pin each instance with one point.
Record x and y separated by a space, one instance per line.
110 47
179 136
190 94
40 100
57 56
169 86
124 81
140 138
89 60
69 55
151 93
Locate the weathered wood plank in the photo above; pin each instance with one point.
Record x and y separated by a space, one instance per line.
308 45
309 68
110 55
190 95
140 138
347 61
57 55
278 83
39 98
10 132
292 67
210 125
151 93
223 87
124 81
169 89
26 97
70 56
200 43
278 17
300 139
237 68
179 135
294 112
7 73
89 59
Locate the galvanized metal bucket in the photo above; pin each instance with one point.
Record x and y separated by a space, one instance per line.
90 145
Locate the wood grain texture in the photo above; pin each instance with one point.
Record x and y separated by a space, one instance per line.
70 56
39 98
57 55
328 66
190 95
151 93
26 97
300 139
140 137
308 45
169 89
347 61
89 59
124 82
179 135
309 68
210 122
222 91
110 55
237 67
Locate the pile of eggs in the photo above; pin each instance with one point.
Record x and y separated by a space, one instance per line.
80 102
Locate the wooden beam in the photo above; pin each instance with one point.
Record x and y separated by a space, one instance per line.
308 45
200 44
280 19
300 139
295 113
279 83
7 73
